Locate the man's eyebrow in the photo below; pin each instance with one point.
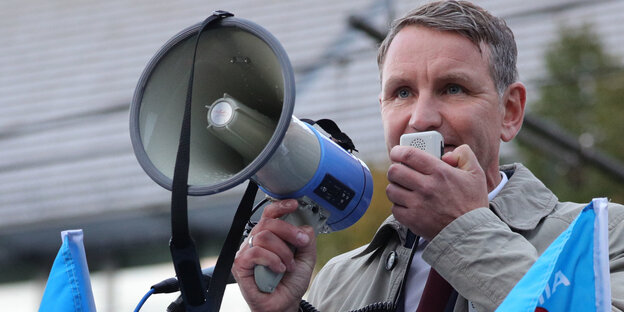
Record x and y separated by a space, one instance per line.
456 76
394 81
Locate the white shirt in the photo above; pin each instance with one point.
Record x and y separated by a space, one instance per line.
419 269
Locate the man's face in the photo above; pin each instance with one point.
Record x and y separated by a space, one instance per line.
435 80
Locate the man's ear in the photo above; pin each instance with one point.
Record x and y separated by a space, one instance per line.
514 101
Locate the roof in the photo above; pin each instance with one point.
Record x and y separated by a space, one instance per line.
68 73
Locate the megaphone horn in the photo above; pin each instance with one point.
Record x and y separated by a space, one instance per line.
264 83
242 128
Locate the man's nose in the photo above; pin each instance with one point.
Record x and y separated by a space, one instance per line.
425 114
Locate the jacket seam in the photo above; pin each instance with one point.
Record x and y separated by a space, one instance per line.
462 265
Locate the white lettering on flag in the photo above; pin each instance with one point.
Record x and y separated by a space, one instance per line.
560 279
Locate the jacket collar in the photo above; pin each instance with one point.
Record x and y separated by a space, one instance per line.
524 201
521 204
390 229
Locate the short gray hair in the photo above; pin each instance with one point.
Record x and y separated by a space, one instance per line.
472 22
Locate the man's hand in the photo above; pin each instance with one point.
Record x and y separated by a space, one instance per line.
428 194
271 240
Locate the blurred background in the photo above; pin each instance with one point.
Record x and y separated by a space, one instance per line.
68 70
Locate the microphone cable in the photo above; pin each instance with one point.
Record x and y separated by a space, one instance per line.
171 284
142 302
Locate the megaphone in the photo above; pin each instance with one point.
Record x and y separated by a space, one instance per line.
242 127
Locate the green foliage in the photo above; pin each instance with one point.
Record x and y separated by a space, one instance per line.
583 94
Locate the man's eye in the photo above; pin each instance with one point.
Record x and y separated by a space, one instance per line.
403 93
454 89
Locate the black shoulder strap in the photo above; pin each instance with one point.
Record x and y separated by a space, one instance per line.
183 251
335 134
230 247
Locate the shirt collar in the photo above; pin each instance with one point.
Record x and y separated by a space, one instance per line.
500 186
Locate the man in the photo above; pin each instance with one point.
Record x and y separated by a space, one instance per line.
450 67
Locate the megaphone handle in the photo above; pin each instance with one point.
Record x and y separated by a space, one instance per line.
306 214
266 280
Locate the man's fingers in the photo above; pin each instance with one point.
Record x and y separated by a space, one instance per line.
414 158
399 195
269 241
282 229
278 236
258 256
279 208
403 176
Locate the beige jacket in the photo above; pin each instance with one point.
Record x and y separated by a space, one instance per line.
482 254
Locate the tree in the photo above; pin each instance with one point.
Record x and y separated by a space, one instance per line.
583 94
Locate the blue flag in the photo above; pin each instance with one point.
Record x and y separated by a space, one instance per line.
69 287
573 272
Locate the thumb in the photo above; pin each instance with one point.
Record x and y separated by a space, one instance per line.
462 158
308 250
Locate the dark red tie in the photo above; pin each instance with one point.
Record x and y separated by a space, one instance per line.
436 293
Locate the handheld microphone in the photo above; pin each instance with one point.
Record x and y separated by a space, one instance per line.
431 142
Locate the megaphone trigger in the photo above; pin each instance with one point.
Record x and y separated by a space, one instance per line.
308 213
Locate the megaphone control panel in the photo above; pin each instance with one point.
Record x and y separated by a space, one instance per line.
334 192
